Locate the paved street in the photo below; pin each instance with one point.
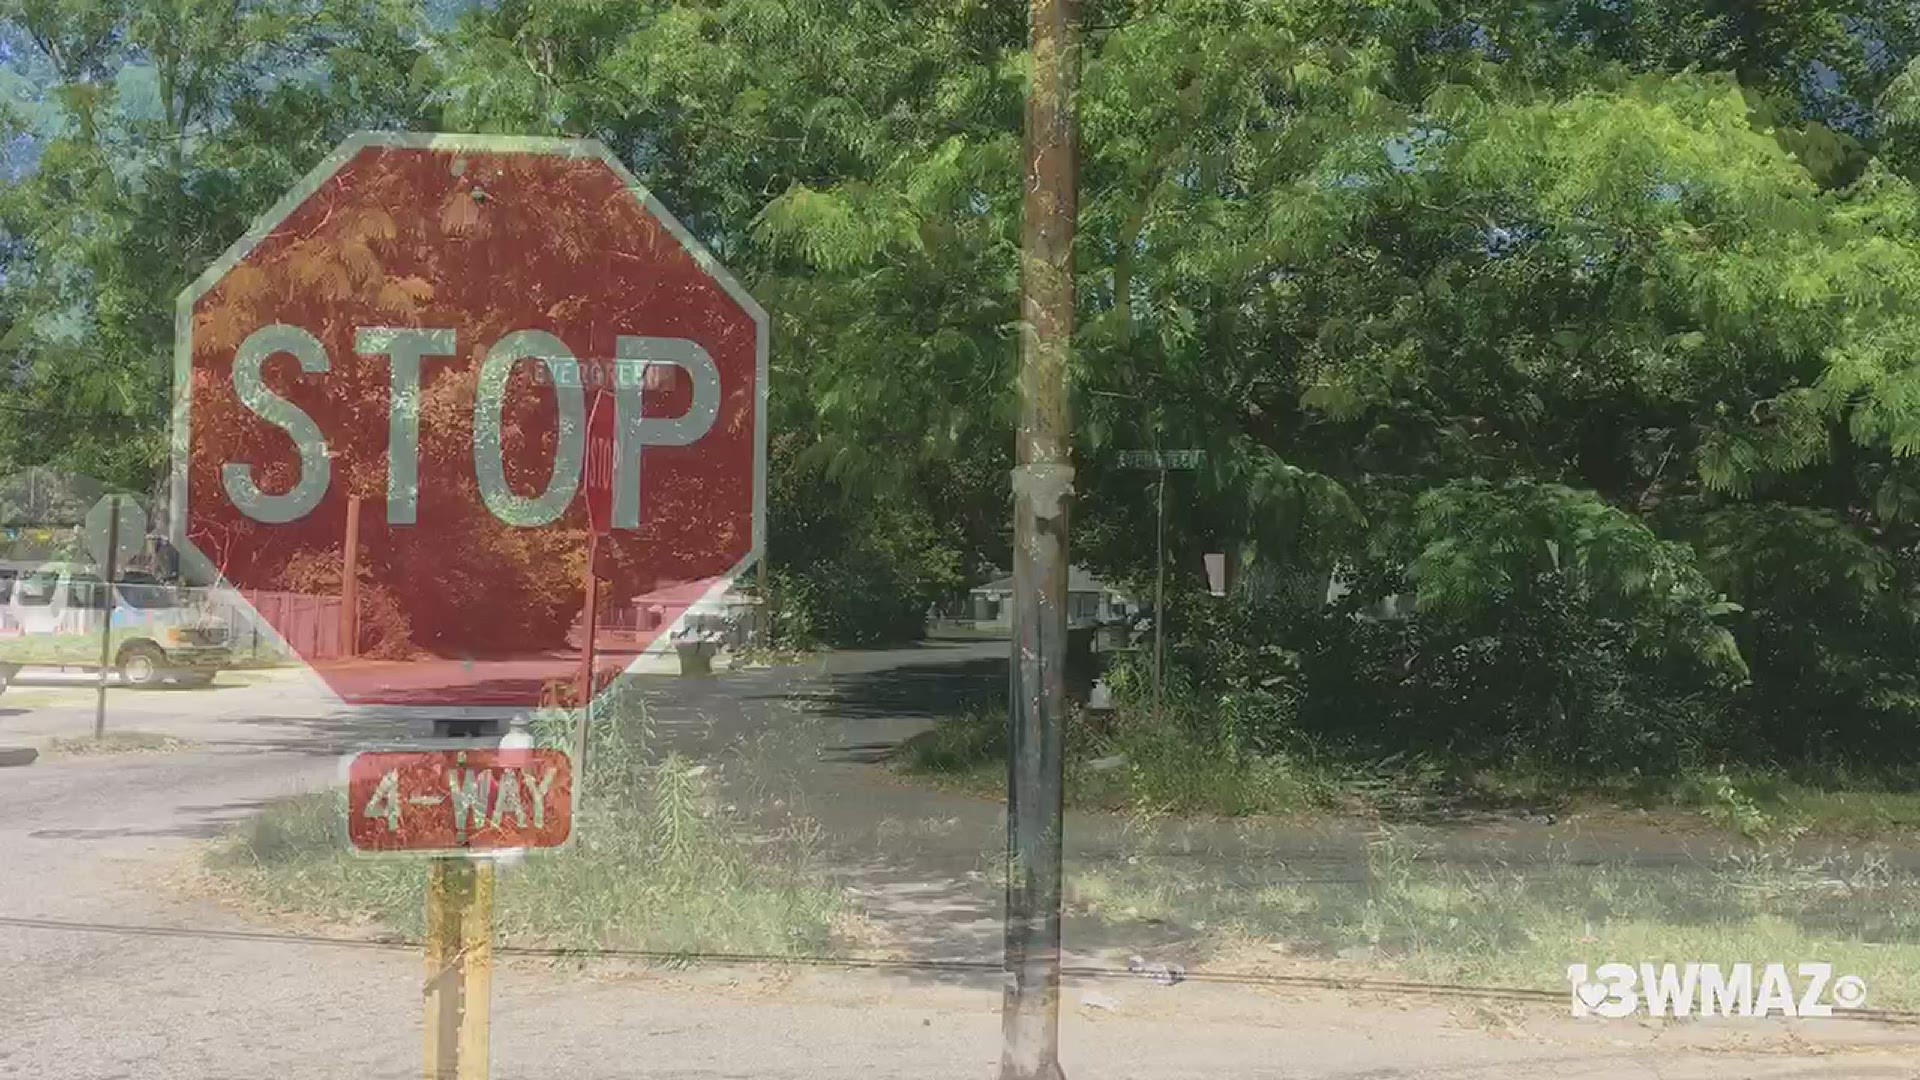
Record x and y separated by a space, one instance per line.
115 969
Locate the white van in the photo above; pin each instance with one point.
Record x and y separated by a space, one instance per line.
55 615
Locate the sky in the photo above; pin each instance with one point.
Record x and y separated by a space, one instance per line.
26 77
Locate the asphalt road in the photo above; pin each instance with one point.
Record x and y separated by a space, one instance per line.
109 969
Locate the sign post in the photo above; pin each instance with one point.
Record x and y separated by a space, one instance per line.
458 808
1163 460
350 583
459 986
112 570
105 528
597 477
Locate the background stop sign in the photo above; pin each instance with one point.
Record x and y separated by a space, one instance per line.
418 331
603 450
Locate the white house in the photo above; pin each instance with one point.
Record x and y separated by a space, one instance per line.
1090 602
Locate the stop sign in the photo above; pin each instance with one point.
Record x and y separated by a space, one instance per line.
417 330
603 450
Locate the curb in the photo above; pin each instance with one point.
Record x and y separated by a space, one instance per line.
17 755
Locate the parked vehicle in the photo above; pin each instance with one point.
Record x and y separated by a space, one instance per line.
55 615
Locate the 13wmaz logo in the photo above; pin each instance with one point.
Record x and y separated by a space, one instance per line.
1616 990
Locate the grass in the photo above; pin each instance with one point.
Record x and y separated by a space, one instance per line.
1862 812
1132 764
655 866
1490 922
116 742
767 656
1520 925
1758 803
1127 768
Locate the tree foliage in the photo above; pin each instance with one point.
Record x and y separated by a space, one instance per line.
1588 323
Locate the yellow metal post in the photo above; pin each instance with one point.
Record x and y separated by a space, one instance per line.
459 987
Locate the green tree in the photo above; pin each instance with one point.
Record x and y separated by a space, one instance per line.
165 128
1631 281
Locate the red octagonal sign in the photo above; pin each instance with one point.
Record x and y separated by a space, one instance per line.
415 334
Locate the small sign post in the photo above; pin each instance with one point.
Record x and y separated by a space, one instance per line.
458 807
109 571
350 583
597 479
114 530
459 987
1163 460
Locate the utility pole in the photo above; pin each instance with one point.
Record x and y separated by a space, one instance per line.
1042 490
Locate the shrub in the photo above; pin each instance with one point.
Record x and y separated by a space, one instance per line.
1550 628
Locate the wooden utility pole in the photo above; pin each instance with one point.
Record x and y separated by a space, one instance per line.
1042 491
